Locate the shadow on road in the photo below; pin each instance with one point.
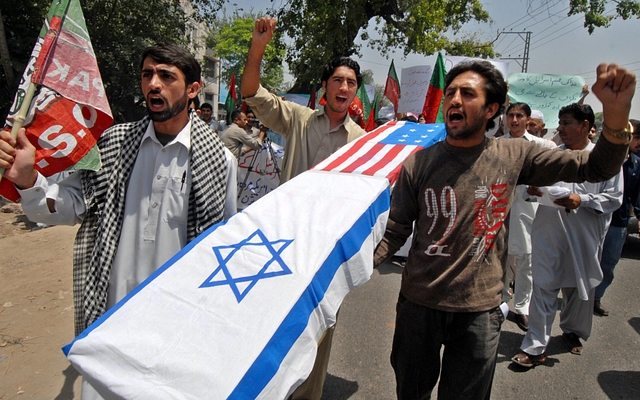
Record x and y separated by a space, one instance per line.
336 388
635 324
631 248
70 376
620 384
392 266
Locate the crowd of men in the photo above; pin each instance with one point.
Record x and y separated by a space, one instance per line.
168 177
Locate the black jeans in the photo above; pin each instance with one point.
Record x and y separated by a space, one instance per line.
469 359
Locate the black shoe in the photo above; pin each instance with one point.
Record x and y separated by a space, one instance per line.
522 321
599 310
572 343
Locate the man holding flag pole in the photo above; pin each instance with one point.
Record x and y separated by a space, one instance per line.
164 180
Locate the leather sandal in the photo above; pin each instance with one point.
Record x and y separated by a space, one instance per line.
572 343
529 360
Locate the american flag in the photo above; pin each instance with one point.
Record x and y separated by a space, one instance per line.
382 151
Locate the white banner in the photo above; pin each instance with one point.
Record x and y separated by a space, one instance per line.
414 86
258 173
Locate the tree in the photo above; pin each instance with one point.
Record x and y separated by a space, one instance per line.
230 39
322 30
594 11
119 31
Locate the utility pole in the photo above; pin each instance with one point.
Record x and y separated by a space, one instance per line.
524 60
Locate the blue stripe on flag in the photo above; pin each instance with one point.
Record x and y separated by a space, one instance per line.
172 260
268 361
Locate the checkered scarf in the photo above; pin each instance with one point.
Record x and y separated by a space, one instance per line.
105 190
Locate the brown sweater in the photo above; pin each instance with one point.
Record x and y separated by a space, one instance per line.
459 199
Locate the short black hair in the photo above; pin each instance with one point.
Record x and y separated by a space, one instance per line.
235 114
409 118
581 112
336 62
495 87
171 54
636 126
206 105
523 106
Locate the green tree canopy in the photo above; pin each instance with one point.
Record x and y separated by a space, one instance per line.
594 11
322 30
230 39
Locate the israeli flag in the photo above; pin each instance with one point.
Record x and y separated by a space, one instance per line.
238 313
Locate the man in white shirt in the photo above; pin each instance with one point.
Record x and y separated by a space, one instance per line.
520 222
206 113
536 125
164 180
567 243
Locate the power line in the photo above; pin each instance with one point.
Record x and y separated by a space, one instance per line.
622 65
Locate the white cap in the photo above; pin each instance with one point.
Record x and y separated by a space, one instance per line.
537 114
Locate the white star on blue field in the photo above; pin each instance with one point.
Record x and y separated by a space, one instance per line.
241 285
416 134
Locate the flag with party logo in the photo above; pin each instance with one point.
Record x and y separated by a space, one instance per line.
69 109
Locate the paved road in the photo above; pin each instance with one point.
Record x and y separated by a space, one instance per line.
608 369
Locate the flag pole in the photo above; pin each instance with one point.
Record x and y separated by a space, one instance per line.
22 115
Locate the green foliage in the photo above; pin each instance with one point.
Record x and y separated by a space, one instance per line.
22 23
322 30
594 11
230 39
120 30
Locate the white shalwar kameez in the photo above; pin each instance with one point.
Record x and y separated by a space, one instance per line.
519 245
566 249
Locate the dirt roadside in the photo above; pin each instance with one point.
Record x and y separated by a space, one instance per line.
36 308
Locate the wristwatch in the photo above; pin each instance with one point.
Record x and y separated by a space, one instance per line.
625 133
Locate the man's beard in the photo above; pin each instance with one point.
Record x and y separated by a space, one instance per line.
469 130
169 112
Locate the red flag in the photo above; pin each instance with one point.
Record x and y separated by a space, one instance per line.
70 110
230 103
360 106
312 99
432 109
373 115
392 87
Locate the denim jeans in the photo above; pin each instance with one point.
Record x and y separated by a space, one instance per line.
611 252
470 343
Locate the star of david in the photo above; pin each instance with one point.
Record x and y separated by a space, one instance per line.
255 246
